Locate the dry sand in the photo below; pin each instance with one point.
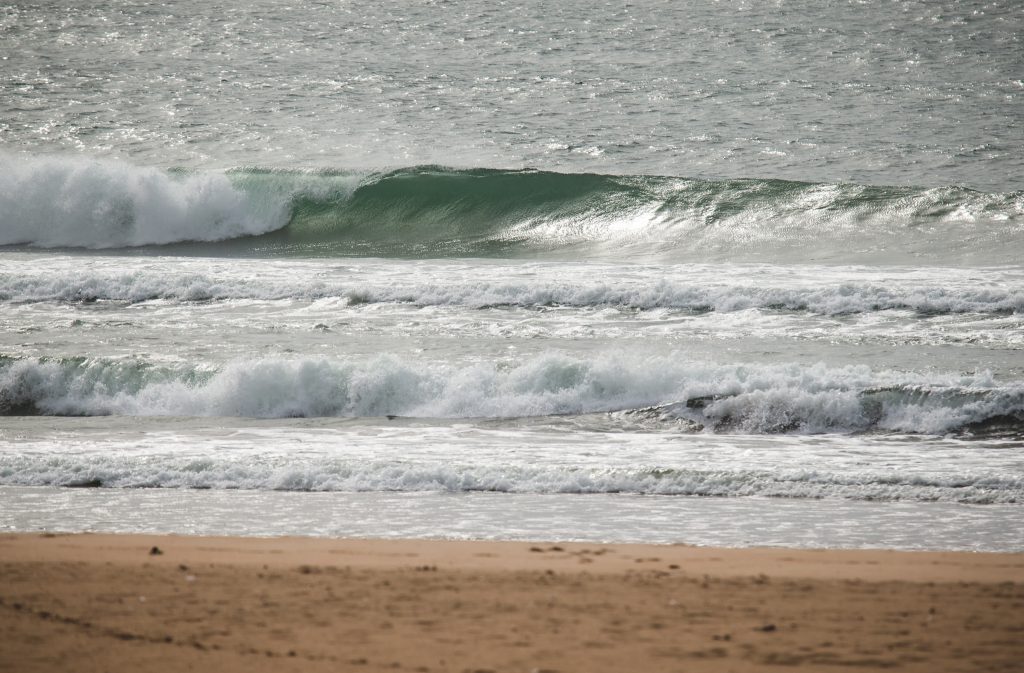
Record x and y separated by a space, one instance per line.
105 603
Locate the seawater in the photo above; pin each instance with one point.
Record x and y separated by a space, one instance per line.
638 272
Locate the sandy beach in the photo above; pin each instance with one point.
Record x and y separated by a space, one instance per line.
165 603
325 325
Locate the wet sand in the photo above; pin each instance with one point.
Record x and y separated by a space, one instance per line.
165 603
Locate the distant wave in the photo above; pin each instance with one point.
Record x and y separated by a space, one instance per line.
431 211
653 392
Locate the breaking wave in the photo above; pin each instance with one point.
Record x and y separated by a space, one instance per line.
653 392
431 211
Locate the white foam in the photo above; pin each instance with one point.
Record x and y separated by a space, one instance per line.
81 202
313 473
736 398
698 294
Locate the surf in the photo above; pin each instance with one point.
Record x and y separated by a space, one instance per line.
440 212
690 289
657 393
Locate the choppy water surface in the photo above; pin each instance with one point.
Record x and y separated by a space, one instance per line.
664 272
908 93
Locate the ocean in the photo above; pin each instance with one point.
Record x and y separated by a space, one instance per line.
675 272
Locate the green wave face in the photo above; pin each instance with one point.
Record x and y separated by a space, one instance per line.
434 212
431 211
437 212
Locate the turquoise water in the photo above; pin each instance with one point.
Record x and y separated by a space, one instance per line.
435 212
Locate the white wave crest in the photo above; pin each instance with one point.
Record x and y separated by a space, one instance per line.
80 202
655 390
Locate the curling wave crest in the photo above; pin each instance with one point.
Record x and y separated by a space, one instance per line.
430 211
72 202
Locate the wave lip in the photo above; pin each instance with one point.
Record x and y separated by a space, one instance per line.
644 392
431 211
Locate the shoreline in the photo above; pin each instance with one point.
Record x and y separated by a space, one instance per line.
594 517
96 602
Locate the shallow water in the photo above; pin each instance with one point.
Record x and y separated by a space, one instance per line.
723 522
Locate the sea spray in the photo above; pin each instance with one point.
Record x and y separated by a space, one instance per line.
431 211
91 203
653 391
